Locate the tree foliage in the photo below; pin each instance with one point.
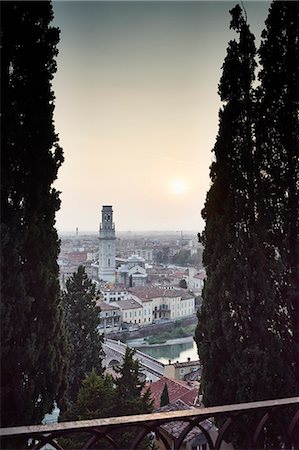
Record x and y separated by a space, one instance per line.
277 148
96 397
129 387
164 399
104 396
32 335
243 327
183 284
130 396
82 320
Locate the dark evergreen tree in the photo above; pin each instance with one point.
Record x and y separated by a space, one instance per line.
32 336
242 333
131 397
164 400
183 284
96 397
82 318
277 136
129 386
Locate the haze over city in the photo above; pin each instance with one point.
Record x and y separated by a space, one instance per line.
137 108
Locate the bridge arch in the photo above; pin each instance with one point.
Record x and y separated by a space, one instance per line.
113 362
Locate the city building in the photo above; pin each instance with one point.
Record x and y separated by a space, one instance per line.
195 280
179 370
132 273
131 311
114 294
106 262
110 317
162 304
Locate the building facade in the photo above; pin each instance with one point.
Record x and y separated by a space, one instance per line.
107 240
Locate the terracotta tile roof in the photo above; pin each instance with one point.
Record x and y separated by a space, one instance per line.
176 390
179 274
201 276
107 306
128 304
149 292
186 364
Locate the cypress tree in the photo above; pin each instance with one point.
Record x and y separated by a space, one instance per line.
130 398
164 399
95 397
129 387
277 139
32 341
242 333
82 318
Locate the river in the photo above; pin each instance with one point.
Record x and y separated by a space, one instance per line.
174 350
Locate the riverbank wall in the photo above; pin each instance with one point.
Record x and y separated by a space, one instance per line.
149 330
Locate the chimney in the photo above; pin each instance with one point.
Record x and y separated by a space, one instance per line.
189 359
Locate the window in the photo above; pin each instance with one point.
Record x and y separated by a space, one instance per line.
200 447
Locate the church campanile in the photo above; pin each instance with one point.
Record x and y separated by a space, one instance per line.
107 246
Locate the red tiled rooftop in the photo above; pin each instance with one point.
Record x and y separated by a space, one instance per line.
107 306
177 390
149 292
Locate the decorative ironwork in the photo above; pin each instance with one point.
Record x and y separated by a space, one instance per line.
282 414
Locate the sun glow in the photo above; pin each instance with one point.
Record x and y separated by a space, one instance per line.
178 187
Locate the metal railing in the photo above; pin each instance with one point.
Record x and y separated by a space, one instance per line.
254 422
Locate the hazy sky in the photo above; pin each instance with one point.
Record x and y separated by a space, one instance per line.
137 108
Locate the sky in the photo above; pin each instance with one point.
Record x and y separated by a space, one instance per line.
137 107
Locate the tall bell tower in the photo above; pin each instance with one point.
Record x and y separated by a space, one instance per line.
107 246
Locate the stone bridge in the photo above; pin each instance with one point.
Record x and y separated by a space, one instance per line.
115 350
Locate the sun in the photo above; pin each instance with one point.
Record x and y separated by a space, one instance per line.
178 187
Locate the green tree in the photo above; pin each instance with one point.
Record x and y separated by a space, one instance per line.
242 334
183 284
82 317
95 399
130 396
129 386
164 399
277 139
32 336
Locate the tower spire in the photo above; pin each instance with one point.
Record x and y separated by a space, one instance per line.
107 246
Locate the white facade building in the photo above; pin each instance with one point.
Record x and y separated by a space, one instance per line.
160 304
133 272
